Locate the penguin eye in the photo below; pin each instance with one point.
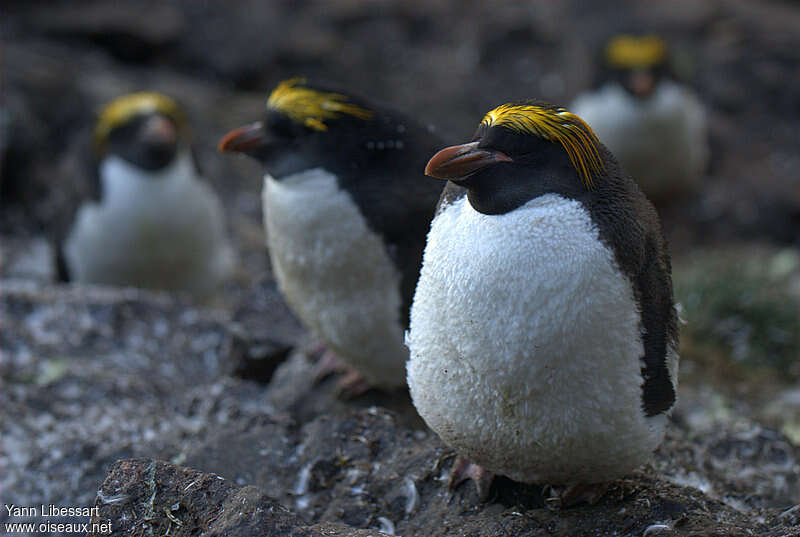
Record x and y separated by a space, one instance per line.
507 141
480 132
282 126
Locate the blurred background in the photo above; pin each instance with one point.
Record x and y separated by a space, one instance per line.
735 241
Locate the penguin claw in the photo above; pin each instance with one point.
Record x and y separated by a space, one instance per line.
463 470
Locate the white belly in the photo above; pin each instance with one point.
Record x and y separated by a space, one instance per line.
335 273
163 233
525 345
662 141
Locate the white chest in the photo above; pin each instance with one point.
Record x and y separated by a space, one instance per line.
162 231
525 345
335 272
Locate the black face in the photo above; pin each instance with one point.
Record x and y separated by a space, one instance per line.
521 167
149 141
376 155
345 145
290 147
523 149
640 83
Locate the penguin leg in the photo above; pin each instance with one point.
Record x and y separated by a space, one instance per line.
463 469
352 384
579 493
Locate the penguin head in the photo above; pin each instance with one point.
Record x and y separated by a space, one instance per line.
519 151
637 63
307 125
143 128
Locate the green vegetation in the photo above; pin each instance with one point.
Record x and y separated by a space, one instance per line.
743 303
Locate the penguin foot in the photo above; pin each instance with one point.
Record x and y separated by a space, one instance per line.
350 385
328 363
575 494
464 469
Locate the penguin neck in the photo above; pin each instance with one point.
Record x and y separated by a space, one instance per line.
288 164
121 179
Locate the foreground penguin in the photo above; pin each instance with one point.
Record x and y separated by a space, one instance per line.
543 337
152 222
655 126
346 211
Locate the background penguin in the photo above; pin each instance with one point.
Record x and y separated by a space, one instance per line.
346 210
543 335
150 221
655 126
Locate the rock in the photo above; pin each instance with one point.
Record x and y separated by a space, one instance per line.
293 391
91 375
129 32
34 136
130 329
264 331
784 411
158 498
28 258
103 374
362 472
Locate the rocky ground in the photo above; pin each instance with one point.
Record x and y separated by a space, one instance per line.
181 418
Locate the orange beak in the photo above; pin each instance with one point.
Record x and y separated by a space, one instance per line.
460 161
243 139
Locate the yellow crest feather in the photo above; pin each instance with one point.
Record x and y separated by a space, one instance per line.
124 108
555 125
310 107
631 52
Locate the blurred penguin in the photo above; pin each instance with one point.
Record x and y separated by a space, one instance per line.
149 220
346 213
655 126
